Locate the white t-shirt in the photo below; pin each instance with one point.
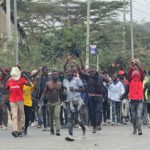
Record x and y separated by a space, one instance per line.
75 83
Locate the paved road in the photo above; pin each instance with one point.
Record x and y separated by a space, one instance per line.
110 138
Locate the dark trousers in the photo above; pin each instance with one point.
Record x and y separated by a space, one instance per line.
106 110
96 108
27 111
4 114
32 119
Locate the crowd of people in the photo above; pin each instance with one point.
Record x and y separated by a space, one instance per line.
72 98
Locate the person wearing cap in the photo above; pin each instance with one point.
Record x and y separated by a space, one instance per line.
15 86
136 94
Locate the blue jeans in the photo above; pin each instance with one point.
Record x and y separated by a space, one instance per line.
136 112
73 118
96 109
116 111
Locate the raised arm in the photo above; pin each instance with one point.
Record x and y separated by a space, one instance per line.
4 72
129 73
104 78
65 65
81 62
141 71
36 73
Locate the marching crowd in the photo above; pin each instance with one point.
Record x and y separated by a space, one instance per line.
73 97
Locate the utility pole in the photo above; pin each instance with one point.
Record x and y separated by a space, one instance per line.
131 22
97 61
8 20
124 27
88 34
16 32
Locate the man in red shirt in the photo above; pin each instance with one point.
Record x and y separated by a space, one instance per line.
15 85
136 94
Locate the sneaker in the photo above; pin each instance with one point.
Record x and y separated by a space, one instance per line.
69 138
33 124
52 132
57 132
15 134
140 132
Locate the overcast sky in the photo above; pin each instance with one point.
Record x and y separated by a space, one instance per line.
141 10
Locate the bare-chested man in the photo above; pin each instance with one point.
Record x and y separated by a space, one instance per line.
53 92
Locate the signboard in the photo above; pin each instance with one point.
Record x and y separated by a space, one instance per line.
93 49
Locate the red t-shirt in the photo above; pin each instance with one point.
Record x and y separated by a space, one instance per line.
16 89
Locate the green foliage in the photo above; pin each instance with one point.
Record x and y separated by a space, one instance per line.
53 28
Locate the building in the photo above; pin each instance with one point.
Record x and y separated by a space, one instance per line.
3 23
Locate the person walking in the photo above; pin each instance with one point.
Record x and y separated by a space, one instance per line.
95 93
115 92
41 83
73 87
27 95
136 94
15 85
53 91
